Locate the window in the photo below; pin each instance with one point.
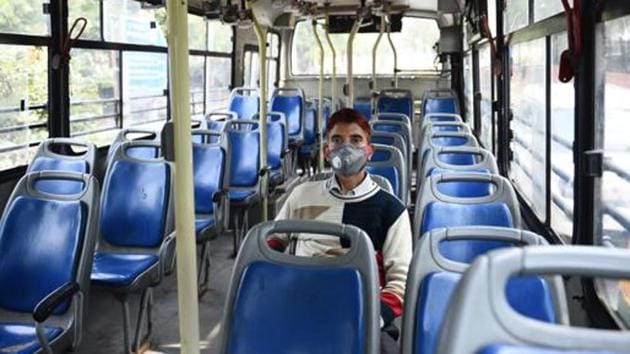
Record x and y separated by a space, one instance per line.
527 87
516 15
414 46
219 37
492 16
613 216
469 92
197 33
24 17
125 21
485 88
144 85
546 8
95 110
562 130
197 76
250 68
218 79
23 98
91 11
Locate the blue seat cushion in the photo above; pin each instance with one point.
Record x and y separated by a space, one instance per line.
392 175
517 349
437 170
363 106
465 189
395 105
40 246
275 144
449 141
292 107
440 214
445 128
203 222
239 196
443 119
245 164
440 105
276 177
460 159
208 168
310 117
244 106
44 163
120 269
530 296
298 309
22 339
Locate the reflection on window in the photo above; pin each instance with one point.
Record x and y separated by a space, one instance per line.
485 87
516 15
613 218
527 87
90 10
126 22
219 76
547 8
219 37
23 98
469 90
24 17
144 85
414 46
94 95
196 32
197 73
562 131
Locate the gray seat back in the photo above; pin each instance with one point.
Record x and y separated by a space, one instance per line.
484 161
385 160
480 314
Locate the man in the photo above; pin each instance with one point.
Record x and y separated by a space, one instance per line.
351 197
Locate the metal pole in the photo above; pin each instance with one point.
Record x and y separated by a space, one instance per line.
320 102
261 35
350 79
184 207
378 40
333 82
391 43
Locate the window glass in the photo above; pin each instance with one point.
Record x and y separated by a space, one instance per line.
516 15
219 78
94 95
562 122
414 46
485 88
469 89
144 85
272 41
527 87
197 32
250 69
23 98
125 21
613 216
24 17
272 67
219 37
197 73
547 8
90 10
492 16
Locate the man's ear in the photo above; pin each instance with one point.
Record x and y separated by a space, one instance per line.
326 151
369 149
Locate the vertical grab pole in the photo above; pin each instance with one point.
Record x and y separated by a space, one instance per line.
261 35
350 79
378 40
184 208
391 43
320 102
333 82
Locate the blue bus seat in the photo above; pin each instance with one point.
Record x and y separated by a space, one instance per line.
136 224
429 126
434 277
388 161
481 298
133 134
290 101
439 140
328 305
440 105
364 106
244 102
47 245
277 147
216 120
456 159
395 101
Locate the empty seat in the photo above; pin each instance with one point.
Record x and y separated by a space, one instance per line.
132 134
136 224
216 120
396 117
167 137
440 105
310 147
46 246
280 303
465 199
444 139
395 101
245 172
433 277
244 102
277 147
457 159
482 320
290 101
391 139
364 106
388 162
431 127
440 118
58 154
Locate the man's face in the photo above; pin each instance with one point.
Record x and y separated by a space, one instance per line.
347 133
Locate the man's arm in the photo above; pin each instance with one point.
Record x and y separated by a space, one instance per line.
279 242
397 252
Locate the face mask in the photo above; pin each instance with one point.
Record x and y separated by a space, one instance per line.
348 160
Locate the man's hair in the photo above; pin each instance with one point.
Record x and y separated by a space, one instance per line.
348 116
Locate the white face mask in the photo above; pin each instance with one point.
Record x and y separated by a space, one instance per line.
348 160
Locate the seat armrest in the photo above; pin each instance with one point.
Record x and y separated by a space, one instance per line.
45 308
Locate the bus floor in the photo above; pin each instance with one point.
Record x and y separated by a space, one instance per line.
102 332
